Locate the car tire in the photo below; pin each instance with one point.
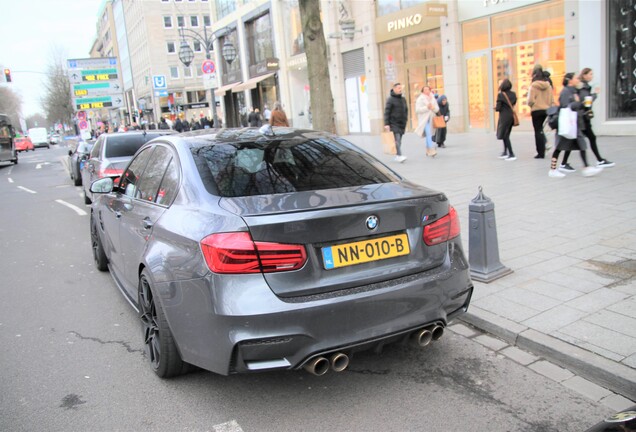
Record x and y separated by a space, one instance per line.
101 261
159 344
87 200
77 180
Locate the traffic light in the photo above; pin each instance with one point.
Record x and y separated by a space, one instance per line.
7 75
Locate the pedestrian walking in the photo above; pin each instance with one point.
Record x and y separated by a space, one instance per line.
587 96
278 116
426 108
267 114
163 124
178 125
569 97
539 100
444 111
254 118
395 115
506 100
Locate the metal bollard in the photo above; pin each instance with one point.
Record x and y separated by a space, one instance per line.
483 249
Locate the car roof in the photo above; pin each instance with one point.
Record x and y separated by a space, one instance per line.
202 137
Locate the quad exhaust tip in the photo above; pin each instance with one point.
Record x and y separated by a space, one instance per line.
320 365
317 366
426 335
340 361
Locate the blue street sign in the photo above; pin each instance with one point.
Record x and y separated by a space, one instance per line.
159 82
161 93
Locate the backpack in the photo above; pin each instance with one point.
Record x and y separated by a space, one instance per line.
553 117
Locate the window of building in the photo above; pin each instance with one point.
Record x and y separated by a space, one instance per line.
174 72
476 35
296 43
509 45
171 47
206 21
194 21
413 61
621 36
385 7
197 46
259 39
180 21
199 72
167 22
187 72
225 7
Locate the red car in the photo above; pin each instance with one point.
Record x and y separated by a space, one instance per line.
23 144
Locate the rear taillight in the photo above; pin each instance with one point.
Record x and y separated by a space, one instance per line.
443 229
109 172
238 253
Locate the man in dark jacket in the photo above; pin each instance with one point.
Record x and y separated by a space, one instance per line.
395 116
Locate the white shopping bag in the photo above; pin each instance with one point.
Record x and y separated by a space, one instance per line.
567 123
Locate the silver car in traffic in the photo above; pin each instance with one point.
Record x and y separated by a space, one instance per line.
250 251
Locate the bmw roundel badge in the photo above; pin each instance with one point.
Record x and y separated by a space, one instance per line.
372 222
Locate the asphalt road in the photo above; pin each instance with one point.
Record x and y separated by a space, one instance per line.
71 357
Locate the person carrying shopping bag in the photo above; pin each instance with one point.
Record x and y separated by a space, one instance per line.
444 112
573 138
425 108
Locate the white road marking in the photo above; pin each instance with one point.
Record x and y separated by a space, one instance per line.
26 190
231 426
76 209
10 180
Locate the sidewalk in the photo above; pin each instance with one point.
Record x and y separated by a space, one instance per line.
571 243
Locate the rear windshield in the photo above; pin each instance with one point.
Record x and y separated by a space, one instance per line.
126 145
281 166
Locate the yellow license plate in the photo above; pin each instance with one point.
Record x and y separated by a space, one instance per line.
365 251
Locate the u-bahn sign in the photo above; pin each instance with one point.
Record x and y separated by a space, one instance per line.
95 83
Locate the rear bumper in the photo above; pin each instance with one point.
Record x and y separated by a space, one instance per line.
245 327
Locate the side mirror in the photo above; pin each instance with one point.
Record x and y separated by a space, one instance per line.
103 185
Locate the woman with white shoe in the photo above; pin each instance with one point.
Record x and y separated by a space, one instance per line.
569 97
425 108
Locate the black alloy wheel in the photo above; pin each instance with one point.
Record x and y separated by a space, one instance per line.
101 262
159 344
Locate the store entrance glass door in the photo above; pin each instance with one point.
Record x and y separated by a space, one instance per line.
480 112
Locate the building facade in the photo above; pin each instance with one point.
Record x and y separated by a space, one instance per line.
460 48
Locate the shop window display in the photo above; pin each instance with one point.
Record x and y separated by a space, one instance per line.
622 60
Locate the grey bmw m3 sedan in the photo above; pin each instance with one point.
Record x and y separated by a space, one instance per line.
249 250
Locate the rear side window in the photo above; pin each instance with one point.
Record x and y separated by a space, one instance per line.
122 145
152 176
281 166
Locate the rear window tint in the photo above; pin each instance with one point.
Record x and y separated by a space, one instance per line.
126 145
281 166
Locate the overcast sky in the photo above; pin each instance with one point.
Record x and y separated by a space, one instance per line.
31 31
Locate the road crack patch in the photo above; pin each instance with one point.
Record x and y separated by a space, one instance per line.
103 342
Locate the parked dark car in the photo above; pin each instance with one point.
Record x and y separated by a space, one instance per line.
76 159
111 154
245 251
623 421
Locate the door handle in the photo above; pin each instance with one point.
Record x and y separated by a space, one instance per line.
147 223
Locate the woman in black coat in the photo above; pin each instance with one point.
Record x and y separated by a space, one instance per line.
569 97
504 126
444 110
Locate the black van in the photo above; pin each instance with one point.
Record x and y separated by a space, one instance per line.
7 148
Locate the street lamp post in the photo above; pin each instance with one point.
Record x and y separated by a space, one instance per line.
186 55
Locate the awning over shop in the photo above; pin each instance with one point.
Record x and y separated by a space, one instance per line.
251 83
221 90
